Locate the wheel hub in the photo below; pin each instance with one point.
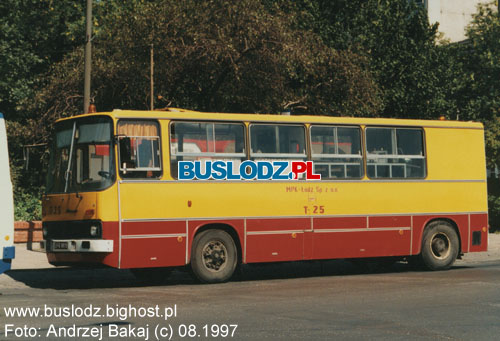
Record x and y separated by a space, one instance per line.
214 256
440 245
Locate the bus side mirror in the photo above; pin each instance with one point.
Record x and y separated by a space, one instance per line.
125 151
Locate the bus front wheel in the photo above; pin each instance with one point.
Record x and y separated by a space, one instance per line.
214 256
439 246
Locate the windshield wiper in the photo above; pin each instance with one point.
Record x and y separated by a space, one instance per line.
68 171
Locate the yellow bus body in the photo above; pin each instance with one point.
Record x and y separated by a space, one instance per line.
153 222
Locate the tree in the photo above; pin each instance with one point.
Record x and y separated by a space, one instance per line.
398 43
483 53
33 35
479 61
212 55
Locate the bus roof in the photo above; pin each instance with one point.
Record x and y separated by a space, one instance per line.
183 114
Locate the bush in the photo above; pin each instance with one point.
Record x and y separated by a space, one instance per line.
494 204
27 206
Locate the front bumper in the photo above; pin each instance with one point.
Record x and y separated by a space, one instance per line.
76 245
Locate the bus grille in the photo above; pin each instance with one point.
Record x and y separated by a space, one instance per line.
74 229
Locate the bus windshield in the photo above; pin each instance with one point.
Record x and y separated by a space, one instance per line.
81 156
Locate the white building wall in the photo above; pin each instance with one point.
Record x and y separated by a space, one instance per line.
453 16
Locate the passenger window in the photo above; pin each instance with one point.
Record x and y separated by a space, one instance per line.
272 142
139 149
190 141
277 141
395 153
336 152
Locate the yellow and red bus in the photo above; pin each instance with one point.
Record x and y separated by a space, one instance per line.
389 188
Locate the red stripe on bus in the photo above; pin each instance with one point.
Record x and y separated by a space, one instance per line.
278 224
152 227
339 223
390 221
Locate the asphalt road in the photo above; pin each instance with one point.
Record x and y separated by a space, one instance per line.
331 300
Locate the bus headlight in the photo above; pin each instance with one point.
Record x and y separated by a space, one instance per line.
94 230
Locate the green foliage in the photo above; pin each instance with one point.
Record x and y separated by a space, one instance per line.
400 45
494 204
236 57
27 206
215 56
27 203
33 35
28 188
484 62
492 139
478 63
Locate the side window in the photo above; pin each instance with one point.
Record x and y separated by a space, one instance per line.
191 141
139 149
395 153
336 152
277 141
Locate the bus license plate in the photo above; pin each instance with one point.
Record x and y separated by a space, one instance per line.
60 245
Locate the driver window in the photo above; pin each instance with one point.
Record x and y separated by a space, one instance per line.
139 146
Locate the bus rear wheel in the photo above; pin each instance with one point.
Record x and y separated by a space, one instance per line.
440 246
214 256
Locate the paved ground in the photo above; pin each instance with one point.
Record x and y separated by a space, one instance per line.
27 259
331 300
492 254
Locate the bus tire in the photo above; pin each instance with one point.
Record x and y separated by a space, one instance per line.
214 256
439 246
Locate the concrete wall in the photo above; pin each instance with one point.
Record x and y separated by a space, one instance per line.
453 16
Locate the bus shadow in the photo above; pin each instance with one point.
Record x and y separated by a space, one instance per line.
326 268
90 278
